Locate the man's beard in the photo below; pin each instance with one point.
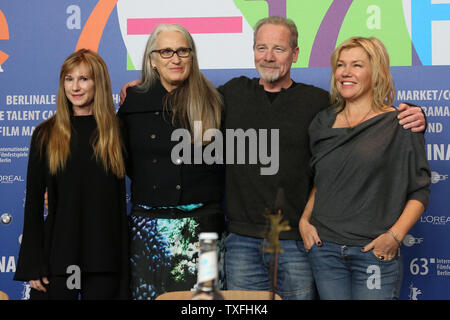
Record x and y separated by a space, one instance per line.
269 76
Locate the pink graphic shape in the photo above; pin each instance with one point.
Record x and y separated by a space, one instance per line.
193 25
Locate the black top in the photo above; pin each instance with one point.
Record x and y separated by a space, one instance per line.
157 180
249 193
365 177
86 224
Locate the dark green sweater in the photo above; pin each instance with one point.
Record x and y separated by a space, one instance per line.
249 193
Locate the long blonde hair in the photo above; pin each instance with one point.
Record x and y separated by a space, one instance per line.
55 133
194 100
382 81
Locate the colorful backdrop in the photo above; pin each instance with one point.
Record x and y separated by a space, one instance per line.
36 36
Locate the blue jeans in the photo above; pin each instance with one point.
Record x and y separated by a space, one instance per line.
344 273
247 267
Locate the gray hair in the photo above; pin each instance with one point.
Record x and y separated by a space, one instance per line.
150 75
288 23
196 99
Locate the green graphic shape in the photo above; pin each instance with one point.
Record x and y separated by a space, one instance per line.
130 65
383 19
252 10
307 15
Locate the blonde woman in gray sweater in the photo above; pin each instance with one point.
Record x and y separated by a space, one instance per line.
371 179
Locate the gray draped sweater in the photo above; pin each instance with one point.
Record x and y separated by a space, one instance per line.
365 176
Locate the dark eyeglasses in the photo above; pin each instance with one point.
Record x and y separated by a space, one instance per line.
168 53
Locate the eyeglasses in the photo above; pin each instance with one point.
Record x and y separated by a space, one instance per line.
168 53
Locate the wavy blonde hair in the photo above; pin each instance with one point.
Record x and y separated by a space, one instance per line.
55 133
382 82
194 100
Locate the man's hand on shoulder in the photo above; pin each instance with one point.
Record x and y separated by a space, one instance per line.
123 91
411 117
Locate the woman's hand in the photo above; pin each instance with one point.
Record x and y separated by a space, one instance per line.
384 247
37 284
46 200
309 234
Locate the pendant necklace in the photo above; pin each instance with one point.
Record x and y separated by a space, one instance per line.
351 128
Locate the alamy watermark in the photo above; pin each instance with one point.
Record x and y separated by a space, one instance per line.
374 280
74 280
233 145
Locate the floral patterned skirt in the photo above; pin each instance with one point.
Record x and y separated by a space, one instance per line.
164 249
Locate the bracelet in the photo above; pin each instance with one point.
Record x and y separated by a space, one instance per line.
392 233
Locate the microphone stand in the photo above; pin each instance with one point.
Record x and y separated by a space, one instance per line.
276 225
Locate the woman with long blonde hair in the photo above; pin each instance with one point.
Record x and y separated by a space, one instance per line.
371 180
76 157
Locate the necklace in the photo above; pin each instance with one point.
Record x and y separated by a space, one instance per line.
351 128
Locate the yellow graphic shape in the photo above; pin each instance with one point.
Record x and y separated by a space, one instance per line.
3 296
4 35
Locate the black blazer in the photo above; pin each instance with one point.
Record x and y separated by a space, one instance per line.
156 180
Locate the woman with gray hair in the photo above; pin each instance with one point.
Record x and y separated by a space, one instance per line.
173 199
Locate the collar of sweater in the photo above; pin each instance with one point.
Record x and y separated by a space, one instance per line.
256 83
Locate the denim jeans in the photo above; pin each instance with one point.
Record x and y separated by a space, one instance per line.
345 273
247 267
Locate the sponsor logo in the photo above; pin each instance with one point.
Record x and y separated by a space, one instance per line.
409 240
436 177
435 220
11 179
